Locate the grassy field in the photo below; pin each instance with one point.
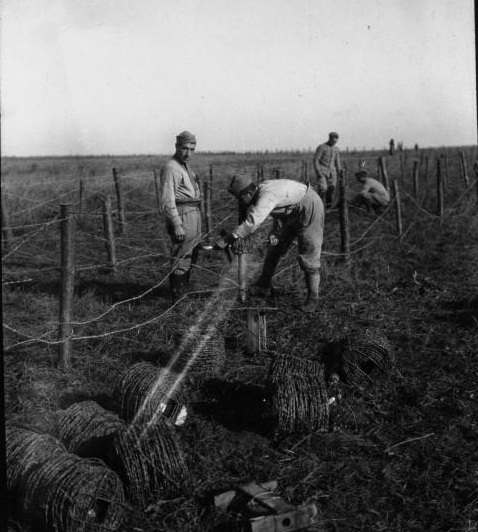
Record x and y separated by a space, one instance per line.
400 454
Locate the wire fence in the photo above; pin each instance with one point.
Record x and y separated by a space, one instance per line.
31 244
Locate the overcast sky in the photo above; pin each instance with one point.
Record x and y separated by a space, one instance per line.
125 76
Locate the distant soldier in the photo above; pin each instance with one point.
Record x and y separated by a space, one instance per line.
298 212
327 166
373 195
391 150
180 203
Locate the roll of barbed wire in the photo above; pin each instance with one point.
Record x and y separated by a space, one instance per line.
299 394
144 389
27 449
363 353
153 460
199 351
85 424
300 404
288 365
72 494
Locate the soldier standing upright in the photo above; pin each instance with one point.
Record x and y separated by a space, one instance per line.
180 203
327 166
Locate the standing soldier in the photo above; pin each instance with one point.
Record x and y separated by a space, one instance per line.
180 203
391 149
298 212
327 166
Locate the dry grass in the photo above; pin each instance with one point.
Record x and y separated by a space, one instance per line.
400 454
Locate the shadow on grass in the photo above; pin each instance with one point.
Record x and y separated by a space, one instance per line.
463 311
236 406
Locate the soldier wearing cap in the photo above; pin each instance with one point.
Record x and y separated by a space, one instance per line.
180 203
373 195
297 212
327 165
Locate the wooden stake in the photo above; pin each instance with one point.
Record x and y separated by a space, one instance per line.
67 230
119 197
201 192
415 179
207 199
344 217
383 172
109 233
256 331
464 172
6 229
440 188
398 207
157 188
475 169
241 276
81 195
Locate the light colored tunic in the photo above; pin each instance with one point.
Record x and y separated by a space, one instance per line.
327 165
375 192
180 203
297 212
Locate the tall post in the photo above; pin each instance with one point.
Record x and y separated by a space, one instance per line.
256 331
207 198
109 233
241 276
415 178
211 180
157 190
464 171
6 228
426 168
383 172
475 169
440 208
398 207
344 217
67 246
120 200
201 193
81 194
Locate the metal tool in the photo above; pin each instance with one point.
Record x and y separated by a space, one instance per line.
265 510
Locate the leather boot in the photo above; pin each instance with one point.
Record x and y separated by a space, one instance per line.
312 281
177 284
329 197
263 286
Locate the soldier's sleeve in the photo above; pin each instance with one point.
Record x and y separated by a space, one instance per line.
256 215
168 184
317 156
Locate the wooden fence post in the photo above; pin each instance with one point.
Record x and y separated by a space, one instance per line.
440 188
475 169
81 194
426 168
398 207
6 228
67 280
464 171
119 196
201 193
415 178
256 331
344 217
383 172
157 189
241 276
109 233
207 197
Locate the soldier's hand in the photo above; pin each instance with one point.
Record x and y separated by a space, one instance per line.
273 240
179 233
